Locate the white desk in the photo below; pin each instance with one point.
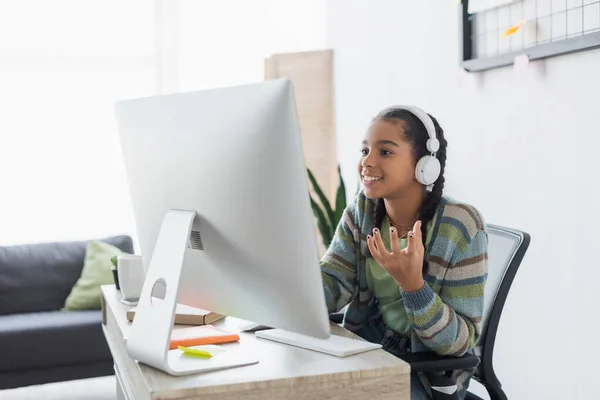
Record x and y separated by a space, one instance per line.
283 372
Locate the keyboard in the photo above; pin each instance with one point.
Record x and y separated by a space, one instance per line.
335 345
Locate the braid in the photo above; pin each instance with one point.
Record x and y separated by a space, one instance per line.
416 133
432 201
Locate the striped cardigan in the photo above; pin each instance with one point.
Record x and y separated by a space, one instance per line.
446 314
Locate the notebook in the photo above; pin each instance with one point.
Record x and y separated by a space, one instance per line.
186 315
201 335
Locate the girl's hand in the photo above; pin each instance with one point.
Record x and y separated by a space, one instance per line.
405 266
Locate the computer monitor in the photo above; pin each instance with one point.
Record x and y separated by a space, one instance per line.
221 204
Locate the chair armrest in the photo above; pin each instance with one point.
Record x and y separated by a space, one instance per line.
433 362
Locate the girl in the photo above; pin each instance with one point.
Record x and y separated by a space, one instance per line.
410 262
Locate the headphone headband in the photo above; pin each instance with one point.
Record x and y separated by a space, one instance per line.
428 168
433 145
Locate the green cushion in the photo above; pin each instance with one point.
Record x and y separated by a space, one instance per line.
86 293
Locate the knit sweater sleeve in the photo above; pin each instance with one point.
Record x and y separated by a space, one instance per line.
338 265
450 323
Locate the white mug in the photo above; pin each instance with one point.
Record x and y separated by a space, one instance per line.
130 269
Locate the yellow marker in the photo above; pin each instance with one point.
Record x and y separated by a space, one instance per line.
513 29
194 352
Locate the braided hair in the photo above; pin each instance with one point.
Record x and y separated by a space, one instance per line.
416 134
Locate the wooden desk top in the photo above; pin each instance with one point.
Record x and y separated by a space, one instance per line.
283 371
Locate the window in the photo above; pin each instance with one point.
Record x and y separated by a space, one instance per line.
63 64
494 34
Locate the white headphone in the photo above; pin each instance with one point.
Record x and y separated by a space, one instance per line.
428 167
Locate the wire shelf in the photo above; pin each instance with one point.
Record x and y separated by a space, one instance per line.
531 24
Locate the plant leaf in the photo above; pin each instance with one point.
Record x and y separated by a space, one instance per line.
113 260
340 198
321 222
324 202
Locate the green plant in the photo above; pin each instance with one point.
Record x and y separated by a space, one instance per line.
327 217
113 260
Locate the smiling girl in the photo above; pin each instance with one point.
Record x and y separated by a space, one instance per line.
410 263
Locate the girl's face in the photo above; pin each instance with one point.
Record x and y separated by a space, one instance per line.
387 164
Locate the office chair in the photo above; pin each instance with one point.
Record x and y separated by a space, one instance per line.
506 249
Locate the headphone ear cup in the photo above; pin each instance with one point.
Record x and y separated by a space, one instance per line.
428 170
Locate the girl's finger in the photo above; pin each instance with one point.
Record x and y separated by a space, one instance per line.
418 235
410 247
379 243
414 237
372 247
394 241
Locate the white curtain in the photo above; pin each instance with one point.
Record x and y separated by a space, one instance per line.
63 64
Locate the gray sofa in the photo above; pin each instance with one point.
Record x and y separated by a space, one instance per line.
38 342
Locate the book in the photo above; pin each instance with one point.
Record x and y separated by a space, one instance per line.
201 335
186 315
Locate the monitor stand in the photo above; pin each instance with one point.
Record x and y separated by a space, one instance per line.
150 333
252 327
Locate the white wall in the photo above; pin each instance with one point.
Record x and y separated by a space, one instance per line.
521 149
